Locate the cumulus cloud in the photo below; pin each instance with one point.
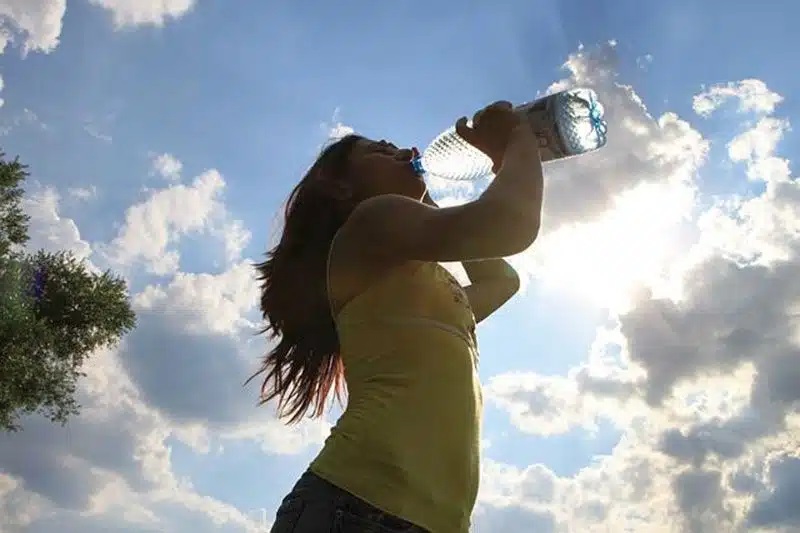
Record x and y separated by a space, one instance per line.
750 95
544 405
34 25
19 508
185 358
641 149
177 378
698 370
48 230
738 303
110 468
779 504
702 381
167 166
199 329
602 209
151 226
154 227
55 472
145 12
335 129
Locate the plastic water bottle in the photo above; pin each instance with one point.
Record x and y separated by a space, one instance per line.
567 124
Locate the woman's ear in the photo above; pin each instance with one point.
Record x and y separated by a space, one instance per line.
344 197
342 193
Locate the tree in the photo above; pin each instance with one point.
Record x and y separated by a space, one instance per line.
13 221
54 312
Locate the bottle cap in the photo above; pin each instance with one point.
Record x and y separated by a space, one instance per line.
416 164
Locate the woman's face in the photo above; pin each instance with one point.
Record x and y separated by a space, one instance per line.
379 167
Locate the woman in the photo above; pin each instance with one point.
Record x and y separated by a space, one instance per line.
355 294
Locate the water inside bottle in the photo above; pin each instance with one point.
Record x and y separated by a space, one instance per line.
580 121
451 157
573 116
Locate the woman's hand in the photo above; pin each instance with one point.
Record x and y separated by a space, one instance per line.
491 130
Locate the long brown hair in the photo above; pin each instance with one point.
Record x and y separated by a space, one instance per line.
305 365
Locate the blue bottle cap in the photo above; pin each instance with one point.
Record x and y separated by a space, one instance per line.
416 163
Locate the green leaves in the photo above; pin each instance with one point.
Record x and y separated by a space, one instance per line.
13 221
54 313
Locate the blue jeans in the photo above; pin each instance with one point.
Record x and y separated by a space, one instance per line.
317 506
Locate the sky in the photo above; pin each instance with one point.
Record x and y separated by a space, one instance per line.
647 377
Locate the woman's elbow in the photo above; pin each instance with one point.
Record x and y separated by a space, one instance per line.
523 236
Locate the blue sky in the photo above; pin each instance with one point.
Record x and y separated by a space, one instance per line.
163 137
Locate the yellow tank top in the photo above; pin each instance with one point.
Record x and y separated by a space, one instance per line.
408 441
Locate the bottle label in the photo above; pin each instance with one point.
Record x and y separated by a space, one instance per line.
542 120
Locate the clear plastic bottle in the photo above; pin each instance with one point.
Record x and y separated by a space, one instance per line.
567 123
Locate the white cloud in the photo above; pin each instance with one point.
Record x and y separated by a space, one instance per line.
145 12
167 166
641 149
752 95
276 438
177 378
738 302
205 302
18 508
634 488
756 147
235 238
35 25
605 387
93 131
606 259
152 228
614 218
339 130
83 193
542 405
778 503
111 467
335 129
25 118
48 230
758 142
702 382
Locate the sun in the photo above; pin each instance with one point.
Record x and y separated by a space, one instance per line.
606 260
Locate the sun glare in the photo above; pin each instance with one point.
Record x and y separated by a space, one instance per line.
607 260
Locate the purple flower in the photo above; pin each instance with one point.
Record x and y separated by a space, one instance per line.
39 280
